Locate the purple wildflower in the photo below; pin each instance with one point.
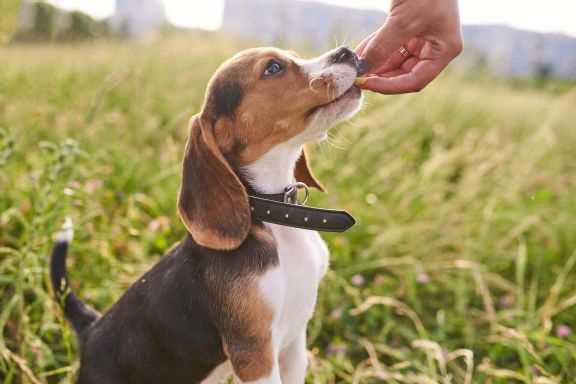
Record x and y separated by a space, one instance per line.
357 280
563 331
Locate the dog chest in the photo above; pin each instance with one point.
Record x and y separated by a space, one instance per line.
291 287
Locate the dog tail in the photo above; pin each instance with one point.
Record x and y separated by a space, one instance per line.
76 312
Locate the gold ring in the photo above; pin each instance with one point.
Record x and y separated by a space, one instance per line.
404 52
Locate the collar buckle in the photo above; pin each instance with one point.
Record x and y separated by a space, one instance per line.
291 194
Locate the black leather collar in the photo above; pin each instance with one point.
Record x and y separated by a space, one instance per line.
285 209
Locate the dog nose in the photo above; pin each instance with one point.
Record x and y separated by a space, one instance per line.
345 55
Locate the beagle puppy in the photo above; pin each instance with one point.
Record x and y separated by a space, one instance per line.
234 297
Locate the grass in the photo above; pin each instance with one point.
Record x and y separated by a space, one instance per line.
461 270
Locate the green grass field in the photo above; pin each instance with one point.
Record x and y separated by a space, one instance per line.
461 270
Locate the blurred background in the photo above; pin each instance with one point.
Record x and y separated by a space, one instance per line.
514 38
462 269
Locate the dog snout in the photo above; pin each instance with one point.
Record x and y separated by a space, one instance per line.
345 55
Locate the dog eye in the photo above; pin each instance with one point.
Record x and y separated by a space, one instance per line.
273 68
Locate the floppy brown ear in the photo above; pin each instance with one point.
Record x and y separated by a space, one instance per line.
304 174
213 203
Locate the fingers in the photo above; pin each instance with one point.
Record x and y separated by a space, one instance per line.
362 46
397 59
404 68
410 64
416 79
430 39
383 45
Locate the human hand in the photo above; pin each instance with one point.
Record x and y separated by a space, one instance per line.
419 39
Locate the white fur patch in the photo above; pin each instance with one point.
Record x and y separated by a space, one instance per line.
343 75
290 288
66 234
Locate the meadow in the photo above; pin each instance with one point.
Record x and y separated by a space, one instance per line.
461 270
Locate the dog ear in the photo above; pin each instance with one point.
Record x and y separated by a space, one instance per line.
212 203
303 173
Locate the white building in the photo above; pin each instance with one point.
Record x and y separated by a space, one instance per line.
138 18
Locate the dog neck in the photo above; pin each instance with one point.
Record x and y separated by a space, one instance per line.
274 171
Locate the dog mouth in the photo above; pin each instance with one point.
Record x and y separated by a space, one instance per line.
351 93
340 103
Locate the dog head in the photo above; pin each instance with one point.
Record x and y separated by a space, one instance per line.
258 99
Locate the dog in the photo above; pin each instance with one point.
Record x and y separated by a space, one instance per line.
234 297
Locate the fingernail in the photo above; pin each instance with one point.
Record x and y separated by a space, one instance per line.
360 81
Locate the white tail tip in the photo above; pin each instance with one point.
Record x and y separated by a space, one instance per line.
66 235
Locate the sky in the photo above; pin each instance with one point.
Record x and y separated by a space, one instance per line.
537 15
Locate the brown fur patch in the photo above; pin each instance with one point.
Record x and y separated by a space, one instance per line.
245 114
270 111
243 117
304 174
243 317
248 344
212 203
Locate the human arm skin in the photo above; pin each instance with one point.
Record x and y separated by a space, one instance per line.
430 32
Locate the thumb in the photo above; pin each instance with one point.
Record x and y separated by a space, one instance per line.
386 41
